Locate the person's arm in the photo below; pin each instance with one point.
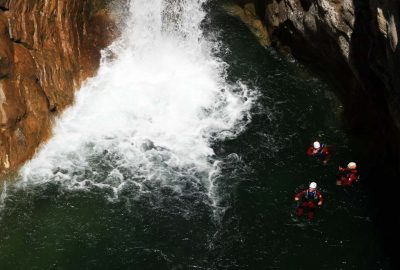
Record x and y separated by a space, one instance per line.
327 153
310 151
320 198
299 195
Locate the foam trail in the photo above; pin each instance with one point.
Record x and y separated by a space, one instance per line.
150 116
3 196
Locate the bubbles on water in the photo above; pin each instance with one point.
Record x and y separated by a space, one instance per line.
149 118
3 195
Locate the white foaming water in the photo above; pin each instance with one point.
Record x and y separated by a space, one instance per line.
3 196
150 115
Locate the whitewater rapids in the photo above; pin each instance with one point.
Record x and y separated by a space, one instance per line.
151 115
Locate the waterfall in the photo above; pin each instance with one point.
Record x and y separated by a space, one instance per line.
150 116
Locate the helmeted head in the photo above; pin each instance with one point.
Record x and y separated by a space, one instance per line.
316 145
352 166
313 185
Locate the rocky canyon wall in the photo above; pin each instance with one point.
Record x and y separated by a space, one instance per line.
355 40
47 49
355 45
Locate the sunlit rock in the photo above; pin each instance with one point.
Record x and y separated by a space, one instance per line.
47 49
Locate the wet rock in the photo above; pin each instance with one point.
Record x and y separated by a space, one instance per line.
354 44
147 145
47 49
247 13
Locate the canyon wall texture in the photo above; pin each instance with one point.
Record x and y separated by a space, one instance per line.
355 45
47 49
352 42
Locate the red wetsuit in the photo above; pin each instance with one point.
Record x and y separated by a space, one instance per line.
347 176
310 200
322 152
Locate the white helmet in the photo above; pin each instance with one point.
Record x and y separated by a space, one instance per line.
352 166
313 185
316 145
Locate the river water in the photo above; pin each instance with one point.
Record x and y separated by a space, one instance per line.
185 152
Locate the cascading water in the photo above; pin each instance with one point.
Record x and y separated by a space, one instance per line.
149 118
130 179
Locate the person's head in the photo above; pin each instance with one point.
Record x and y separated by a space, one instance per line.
312 186
316 145
352 166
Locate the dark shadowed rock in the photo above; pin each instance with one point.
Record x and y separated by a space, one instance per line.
355 45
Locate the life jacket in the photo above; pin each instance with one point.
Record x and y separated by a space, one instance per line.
348 177
355 172
320 151
348 173
310 196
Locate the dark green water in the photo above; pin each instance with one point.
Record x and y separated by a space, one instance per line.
48 227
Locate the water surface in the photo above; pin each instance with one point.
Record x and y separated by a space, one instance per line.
186 154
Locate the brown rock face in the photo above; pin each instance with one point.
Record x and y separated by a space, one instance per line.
47 48
247 13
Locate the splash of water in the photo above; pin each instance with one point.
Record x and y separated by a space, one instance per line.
150 116
3 195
